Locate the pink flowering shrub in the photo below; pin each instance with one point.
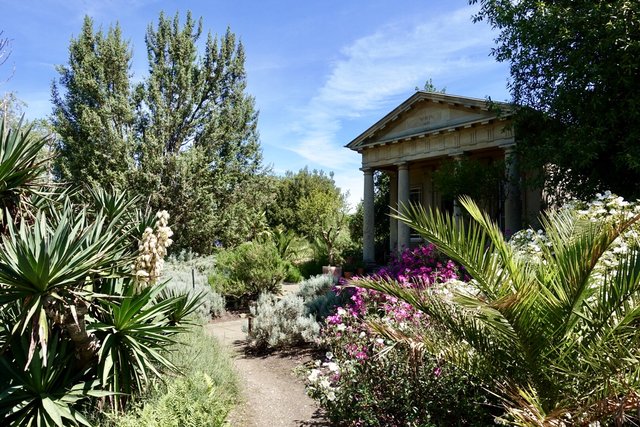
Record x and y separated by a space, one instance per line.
364 380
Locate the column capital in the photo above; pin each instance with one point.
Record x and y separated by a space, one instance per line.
508 147
366 170
402 165
457 155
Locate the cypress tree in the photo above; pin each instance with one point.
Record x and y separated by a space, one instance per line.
93 114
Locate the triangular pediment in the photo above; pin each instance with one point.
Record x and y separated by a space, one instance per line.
427 113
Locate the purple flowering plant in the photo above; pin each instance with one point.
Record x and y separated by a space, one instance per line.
363 370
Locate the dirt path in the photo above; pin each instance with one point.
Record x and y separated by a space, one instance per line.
272 394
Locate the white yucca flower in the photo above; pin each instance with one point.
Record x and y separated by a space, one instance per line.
153 249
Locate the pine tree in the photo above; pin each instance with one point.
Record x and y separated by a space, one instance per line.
93 116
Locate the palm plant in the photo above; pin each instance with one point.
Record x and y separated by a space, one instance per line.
47 392
557 335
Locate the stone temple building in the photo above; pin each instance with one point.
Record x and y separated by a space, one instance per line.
415 138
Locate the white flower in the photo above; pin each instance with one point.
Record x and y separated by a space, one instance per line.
329 355
313 376
331 396
333 367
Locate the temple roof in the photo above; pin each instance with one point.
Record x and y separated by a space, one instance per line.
430 113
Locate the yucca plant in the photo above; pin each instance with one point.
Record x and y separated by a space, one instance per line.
46 392
557 335
72 327
134 333
22 172
183 303
47 266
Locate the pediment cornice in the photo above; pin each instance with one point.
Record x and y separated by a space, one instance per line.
428 113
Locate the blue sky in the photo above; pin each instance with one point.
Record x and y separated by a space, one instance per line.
322 72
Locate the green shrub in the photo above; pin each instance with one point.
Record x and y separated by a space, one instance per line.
292 320
323 305
202 396
281 322
367 380
319 296
248 270
313 267
396 390
293 274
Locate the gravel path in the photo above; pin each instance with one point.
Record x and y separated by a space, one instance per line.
272 395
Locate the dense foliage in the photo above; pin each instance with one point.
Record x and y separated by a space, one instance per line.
78 323
202 395
280 322
185 138
478 179
294 319
243 273
550 324
310 204
94 117
575 73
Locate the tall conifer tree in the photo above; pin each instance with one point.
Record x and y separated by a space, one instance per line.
185 138
197 104
93 115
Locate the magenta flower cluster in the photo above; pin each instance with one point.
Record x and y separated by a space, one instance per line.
416 268
352 344
420 267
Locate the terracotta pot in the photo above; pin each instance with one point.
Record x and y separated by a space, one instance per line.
360 271
332 270
347 274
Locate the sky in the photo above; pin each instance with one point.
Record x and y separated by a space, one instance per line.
321 72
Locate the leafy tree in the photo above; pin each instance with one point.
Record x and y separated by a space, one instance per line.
575 75
185 138
470 177
555 333
324 218
291 189
93 116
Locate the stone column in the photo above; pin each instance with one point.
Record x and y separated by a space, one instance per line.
403 199
368 238
457 210
393 204
512 202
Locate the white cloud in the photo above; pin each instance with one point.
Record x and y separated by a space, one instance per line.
378 71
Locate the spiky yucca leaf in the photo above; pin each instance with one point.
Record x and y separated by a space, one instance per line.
47 391
21 172
135 333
